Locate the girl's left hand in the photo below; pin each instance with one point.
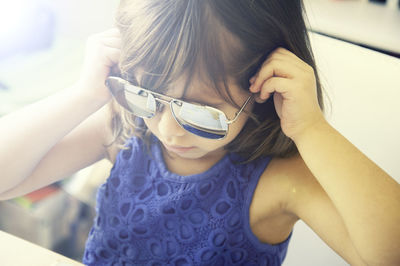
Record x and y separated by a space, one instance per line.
293 85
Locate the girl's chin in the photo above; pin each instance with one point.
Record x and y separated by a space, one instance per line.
196 153
185 155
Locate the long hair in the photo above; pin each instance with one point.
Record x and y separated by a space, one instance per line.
224 39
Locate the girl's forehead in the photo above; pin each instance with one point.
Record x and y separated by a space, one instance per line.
199 87
202 90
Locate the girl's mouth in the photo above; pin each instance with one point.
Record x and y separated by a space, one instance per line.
178 149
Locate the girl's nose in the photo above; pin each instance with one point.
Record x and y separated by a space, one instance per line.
167 125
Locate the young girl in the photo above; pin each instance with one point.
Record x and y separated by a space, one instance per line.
217 137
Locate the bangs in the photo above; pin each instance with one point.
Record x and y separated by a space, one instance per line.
166 40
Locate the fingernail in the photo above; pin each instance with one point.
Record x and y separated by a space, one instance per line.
253 88
259 100
252 79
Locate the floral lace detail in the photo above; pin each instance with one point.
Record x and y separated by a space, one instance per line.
147 215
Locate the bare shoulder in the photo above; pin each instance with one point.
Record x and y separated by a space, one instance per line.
298 195
284 178
277 184
270 216
295 174
292 185
292 178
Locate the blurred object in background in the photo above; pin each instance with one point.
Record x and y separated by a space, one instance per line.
43 216
26 26
368 23
389 3
3 86
51 218
42 45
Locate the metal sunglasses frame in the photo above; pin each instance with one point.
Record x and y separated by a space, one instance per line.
167 100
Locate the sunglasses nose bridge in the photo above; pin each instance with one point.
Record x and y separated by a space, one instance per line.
166 102
168 126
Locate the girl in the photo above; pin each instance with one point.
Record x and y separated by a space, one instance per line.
217 137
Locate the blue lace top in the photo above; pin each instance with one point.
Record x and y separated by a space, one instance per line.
147 215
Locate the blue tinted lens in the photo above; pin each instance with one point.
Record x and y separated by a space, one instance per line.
202 133
203 121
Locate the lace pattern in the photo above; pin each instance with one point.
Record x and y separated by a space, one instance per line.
147 215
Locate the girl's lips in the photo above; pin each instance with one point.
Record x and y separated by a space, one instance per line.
178 149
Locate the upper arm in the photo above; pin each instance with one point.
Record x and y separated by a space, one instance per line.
80 148
309 202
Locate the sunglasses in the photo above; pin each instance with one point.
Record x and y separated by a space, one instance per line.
201 120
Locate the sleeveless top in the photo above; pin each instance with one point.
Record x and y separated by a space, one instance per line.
147 215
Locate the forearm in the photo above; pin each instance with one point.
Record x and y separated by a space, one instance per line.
29 133
365 196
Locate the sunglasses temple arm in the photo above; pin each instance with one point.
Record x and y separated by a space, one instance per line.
240 111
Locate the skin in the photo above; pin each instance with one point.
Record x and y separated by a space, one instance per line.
351 203
203 152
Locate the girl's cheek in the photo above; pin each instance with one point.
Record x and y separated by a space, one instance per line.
150 123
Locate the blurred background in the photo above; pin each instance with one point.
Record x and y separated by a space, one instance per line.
357 48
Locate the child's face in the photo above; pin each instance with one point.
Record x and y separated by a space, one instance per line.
180 142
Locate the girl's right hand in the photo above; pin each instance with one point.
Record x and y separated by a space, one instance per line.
102 57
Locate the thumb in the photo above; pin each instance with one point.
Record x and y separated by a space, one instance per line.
278 101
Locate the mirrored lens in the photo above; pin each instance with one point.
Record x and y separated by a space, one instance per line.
203 121
140 102
134 99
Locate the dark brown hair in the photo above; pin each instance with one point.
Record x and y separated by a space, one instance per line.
223 39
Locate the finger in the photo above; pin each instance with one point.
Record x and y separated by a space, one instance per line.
252 79
285 52
275 68
113 55
113 42
275 84
286 55
278 100
272 85
112 32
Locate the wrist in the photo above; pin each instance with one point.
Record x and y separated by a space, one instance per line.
96 96
91 97
311 131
